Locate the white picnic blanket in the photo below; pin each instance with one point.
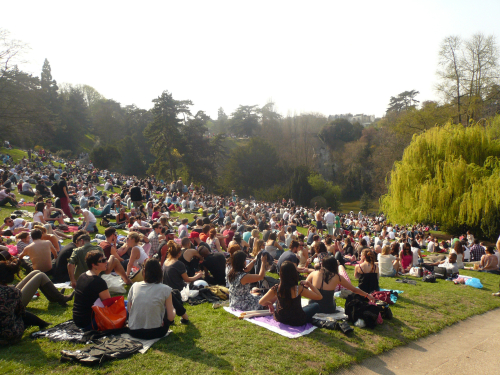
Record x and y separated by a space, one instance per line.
146 344
335 316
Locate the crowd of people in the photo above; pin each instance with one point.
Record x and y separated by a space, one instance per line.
230 242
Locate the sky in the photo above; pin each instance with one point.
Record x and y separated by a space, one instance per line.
326 57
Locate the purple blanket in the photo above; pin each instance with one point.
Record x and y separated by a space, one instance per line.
272 325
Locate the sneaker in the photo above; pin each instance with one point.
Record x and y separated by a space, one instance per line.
497 294
185 321
216 305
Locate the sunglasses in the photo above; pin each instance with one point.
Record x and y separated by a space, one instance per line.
102 260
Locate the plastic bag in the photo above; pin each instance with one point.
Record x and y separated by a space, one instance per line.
185 293
115 284
360 323
476 283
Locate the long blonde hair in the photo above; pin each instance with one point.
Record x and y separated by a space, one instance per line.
257 244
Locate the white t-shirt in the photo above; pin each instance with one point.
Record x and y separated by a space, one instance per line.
460 259
430 247
18 223
392 235
146 305
329 218
385 263
38 216
142 257
91 216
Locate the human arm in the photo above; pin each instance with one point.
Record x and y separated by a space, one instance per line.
53 250
217 245
310 291
187 279
346 284
71 273
268 299
250 265
357 272
104 295
248 279
276 243
134 255
169 308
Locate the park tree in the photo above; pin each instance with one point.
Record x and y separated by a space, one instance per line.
164 132
468 70
404 101
245 120
450 72
340 131
449 175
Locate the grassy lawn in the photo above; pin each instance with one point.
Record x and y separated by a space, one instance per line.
217 342
355 206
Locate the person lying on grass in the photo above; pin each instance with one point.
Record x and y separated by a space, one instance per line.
327 280
287 295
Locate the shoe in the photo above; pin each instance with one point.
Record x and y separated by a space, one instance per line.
53 295
185 321
497 294
216 305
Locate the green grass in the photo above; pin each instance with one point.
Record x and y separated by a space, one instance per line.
216 342
355 206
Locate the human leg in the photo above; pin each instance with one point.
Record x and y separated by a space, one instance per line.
30 319
330 228
115 265
310 310
105 210
65 207
177 303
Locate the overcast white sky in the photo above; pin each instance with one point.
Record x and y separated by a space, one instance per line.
316 56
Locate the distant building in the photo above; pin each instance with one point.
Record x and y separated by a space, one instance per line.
363 119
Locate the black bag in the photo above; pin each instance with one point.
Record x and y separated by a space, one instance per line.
357 307
441 273
429 278
56 190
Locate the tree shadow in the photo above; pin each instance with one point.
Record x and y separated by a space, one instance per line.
184 345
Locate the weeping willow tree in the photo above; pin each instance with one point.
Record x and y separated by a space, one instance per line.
449 175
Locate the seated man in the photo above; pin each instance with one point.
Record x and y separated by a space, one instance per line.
27 190
60 270
39 252
7 197
89 221
42 189
190 257
77 264
214 266
110 247
100 213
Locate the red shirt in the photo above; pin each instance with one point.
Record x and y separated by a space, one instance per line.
230 234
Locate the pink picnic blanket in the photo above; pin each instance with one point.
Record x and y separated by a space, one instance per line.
29 204
71 228
12 250
277 327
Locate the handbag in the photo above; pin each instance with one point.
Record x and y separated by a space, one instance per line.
112 316
416 272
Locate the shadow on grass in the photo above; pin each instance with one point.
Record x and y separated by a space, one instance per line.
184 345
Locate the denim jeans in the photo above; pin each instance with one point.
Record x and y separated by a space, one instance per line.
310 310
330 228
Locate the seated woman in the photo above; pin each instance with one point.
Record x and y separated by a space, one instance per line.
489 261
367 272
13 316
89 287
288 295
388 263
459 250
406 256
175 276
137 255
240 296
213 241
326 281
150 306
320 253
273 247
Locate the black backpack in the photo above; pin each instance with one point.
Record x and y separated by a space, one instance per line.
56 190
